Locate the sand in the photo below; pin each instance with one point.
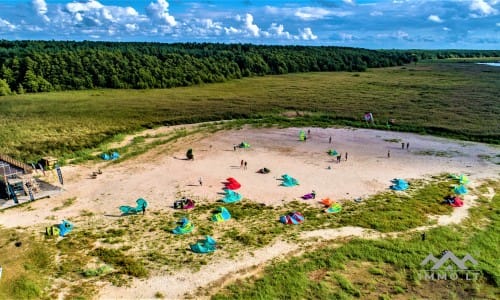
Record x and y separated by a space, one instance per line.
162 174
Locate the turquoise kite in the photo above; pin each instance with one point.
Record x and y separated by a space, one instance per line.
129 210
221 215
185 226
288 181
333 152
460 190
204 246
335 208
231 196
399 184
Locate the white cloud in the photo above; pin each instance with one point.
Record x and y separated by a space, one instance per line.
498 24
279 31
351 2
306 13
231 30
311 13
483 8
40 8
250 27
74 7
376 13
131 27
446 29
95 13
4 24
435 18
307 34
402 35
158 11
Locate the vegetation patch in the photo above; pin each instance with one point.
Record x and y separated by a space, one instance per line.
369 268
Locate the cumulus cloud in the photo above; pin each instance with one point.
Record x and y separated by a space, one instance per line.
158 11
40 8
307 34
74 7
250 27
482 8
279 31
435 18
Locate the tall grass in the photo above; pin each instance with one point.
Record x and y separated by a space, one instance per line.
457 100
389 266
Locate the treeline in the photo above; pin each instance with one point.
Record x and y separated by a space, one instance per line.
44 66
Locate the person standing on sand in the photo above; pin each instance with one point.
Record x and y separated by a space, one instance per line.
388 153
403 146
245 165
241 164
346 156
200 181
143 208
407 146
330 140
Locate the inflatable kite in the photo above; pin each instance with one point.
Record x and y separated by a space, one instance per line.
244 145
292 218
61 229
327 202
221 214
333 152
204 246
231 196
460 190
185 226
399 184
453 201
288 181
184 203
232 184
264 171
335 208
309 196
129 210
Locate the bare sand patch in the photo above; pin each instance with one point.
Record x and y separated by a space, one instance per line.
162 175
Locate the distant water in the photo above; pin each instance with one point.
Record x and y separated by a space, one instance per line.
495 64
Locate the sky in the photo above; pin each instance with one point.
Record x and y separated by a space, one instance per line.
383 24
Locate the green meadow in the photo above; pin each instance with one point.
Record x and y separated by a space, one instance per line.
458 100
115 251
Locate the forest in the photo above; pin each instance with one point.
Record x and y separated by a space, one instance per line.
45 66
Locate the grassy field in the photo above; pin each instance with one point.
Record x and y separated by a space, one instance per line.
456 100
117 250
385 269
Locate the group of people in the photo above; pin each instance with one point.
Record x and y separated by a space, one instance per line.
243 164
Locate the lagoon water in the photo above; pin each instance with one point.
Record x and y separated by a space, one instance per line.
495 64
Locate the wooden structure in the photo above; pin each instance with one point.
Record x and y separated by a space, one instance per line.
49 162
16 174
9 166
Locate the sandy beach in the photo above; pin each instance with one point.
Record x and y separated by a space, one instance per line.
162 174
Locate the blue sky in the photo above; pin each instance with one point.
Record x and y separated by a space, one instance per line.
384 24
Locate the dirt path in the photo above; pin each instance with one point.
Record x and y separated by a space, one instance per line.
227 271
161 175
